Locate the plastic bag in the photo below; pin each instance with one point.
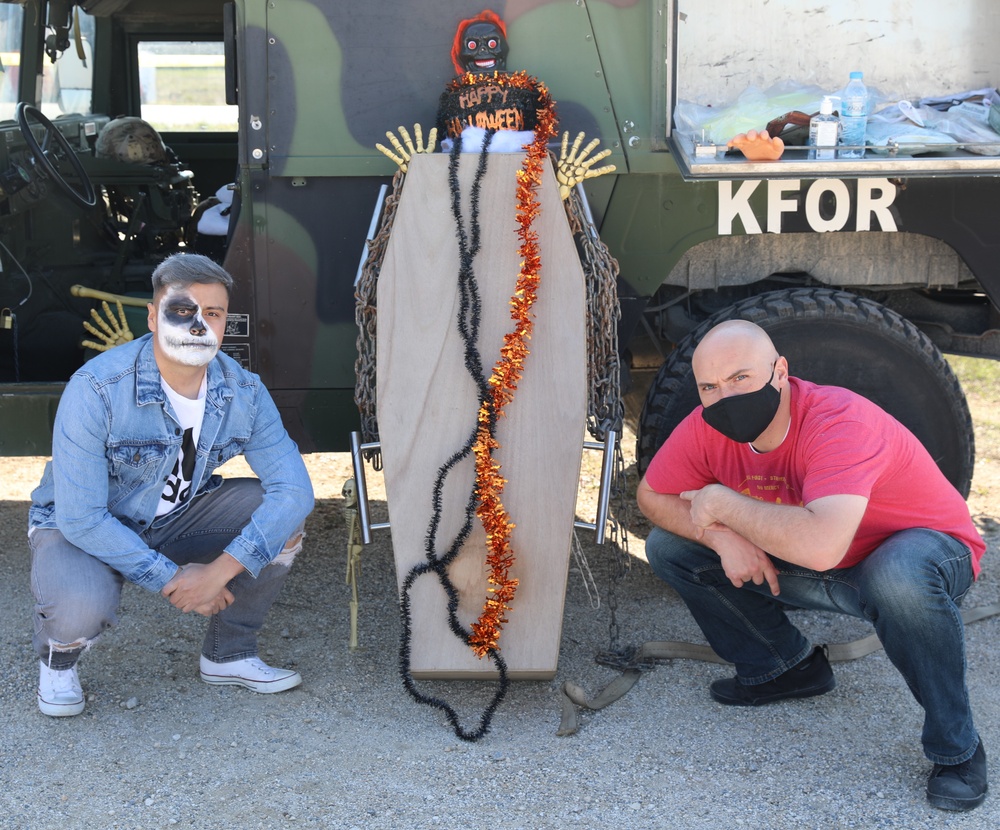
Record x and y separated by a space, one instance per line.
944 102
966 124
750 111
891 130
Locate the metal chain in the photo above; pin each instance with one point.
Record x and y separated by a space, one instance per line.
605 409
582 566
617 539
604 403
366 316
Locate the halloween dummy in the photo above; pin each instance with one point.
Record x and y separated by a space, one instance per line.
486 108
485 111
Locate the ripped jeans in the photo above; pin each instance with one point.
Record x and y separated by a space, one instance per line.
77 595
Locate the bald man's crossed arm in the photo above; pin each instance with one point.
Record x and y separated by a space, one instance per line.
815 536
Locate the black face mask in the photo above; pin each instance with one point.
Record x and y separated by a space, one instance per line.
743 418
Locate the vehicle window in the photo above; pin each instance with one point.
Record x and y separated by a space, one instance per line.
67 83
11 26
183 86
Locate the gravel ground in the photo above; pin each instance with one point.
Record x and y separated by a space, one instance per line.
158 748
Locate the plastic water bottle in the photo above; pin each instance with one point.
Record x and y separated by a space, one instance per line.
854 117
823 131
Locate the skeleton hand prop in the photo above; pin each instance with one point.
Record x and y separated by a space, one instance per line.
574 167
111 332
403 153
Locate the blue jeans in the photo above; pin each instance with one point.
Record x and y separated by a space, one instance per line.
77 595
909 588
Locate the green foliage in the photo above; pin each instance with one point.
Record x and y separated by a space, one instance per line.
190 85
980 377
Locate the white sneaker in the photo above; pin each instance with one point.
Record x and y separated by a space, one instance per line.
59 692
252 673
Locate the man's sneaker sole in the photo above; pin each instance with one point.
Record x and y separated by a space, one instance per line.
264 687
60 710
955 804
722 692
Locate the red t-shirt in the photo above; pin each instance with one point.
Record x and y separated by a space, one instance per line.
838 443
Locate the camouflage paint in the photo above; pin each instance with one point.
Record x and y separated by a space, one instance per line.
321 81
314 109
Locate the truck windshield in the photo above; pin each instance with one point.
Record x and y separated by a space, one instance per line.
67 83
11 27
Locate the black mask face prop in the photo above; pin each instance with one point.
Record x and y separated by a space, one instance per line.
743 418
484 49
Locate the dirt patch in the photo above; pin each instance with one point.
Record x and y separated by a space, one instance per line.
158 748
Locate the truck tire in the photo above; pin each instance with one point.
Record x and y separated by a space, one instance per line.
834 338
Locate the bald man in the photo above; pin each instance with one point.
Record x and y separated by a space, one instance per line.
780 493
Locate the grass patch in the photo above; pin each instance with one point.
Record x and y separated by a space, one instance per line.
979 376
190 85
980 379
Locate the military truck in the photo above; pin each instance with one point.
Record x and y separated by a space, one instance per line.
864 270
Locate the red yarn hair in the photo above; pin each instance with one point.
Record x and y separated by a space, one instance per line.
486 16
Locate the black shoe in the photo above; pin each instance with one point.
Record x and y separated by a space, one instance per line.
813 676
959 786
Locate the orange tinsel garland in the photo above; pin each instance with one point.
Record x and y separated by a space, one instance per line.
506 374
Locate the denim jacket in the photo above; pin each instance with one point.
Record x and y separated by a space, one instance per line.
116 439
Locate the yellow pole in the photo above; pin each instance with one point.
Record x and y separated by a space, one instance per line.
354 548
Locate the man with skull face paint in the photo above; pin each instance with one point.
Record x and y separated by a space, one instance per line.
130 493
780 493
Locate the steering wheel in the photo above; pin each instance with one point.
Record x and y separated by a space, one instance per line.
52 152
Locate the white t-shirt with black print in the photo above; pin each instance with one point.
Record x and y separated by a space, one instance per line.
190 413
